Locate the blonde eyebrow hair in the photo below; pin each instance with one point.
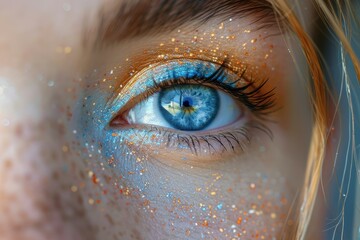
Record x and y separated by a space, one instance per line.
139 18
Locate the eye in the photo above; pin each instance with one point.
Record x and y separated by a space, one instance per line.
186 108
192 103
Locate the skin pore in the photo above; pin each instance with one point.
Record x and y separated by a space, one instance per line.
67 173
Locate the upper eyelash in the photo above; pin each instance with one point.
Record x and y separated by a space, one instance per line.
249 94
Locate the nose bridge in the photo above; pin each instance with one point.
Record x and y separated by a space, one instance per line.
36 167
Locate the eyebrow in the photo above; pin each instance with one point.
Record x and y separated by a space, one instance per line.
134 18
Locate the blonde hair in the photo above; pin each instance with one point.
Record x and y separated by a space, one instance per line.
337 16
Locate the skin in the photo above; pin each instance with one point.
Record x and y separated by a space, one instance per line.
55 180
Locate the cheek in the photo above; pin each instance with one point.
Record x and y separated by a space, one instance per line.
245 197
221 205
221 202
35 198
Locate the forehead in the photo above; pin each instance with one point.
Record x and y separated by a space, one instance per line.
41 26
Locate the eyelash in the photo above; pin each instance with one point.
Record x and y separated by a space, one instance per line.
236 137
259 102
252 97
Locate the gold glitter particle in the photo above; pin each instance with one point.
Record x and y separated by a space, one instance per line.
161 44
74 188
205 223
213 193
221 26
91 173
91 201
173 39
273 215
253 40
252 186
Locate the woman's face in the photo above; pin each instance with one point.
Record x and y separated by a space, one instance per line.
149 119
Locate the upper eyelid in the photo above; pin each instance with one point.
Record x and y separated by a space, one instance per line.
131 84
240 72
253 97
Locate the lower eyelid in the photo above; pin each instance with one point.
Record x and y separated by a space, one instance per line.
221 144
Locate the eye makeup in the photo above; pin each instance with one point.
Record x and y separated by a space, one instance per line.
182 71
176 73
200 182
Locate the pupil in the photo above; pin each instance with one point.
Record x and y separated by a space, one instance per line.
186 103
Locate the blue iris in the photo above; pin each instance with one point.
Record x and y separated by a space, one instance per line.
189 107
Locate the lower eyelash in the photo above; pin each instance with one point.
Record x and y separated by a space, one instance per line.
234 140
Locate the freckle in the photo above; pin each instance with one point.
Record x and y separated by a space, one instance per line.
8 164
283 201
